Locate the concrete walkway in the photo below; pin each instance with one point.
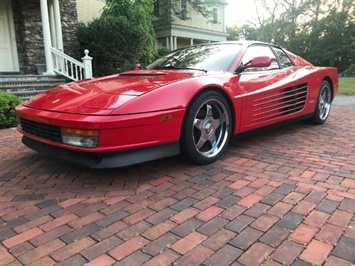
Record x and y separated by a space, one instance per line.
346 101
285 197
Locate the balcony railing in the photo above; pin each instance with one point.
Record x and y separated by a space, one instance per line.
70 67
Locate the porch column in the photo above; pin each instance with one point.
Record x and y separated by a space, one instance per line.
172 42
175 42
224 20
191 42
167 43
58 26
46 37
52 25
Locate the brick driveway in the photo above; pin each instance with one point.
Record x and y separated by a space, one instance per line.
286 197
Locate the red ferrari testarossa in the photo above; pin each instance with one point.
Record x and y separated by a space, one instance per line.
189 102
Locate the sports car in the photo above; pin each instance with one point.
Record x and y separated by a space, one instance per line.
189 102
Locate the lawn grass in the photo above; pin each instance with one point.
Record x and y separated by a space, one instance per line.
346 86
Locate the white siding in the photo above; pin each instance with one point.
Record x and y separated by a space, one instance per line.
89 9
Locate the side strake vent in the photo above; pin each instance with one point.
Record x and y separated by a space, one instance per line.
279 103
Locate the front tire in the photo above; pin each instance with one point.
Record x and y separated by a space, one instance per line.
324 101
206 128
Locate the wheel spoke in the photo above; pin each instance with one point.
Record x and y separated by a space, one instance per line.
212 139
198 123
209 113
219 121
200 142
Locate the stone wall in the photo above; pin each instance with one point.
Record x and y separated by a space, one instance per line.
29 37
69 18
28 30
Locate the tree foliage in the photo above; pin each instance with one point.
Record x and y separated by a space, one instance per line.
244 32
322 31
8 102
121 37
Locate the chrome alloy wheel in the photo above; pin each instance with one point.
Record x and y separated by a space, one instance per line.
211 128
324 101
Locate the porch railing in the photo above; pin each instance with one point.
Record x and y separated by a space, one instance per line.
70 67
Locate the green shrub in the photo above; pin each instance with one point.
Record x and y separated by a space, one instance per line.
159 53
350 72
8 102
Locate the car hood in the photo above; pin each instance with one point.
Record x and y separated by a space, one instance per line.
102 95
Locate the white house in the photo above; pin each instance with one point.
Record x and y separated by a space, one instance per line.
176 33
36 32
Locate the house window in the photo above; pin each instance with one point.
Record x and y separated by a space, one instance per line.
183 10
164 44
157 8
215 15
183 4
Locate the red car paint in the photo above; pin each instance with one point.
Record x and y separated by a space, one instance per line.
141 108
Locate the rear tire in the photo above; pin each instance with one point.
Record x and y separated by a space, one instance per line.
324 101
206 128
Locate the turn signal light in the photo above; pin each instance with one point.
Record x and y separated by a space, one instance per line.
80 132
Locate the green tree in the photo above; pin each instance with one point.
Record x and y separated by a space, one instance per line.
121 37
332 37
245 32
234 33
321 31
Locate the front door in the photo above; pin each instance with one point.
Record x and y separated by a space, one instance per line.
267 93
8 49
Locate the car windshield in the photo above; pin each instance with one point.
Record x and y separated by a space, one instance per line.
200 57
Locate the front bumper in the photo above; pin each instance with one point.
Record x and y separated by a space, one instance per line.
105 160
116 132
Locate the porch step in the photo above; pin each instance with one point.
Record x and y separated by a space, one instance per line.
26 86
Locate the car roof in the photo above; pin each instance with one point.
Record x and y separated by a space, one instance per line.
248 42
245 43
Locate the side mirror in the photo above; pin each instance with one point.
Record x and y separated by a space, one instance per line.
139 66
257 62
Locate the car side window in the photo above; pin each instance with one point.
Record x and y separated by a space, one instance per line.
258 50
285 61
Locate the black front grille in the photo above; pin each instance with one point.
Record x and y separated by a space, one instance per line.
41 130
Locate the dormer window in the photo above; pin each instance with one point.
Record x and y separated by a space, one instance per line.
183 9
215 15
157 8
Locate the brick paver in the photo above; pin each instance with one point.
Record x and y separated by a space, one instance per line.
283 197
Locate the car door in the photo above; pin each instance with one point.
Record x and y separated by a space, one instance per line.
268 92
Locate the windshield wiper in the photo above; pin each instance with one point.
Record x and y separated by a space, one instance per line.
181 67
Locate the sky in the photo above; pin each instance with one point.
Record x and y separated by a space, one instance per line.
238 11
